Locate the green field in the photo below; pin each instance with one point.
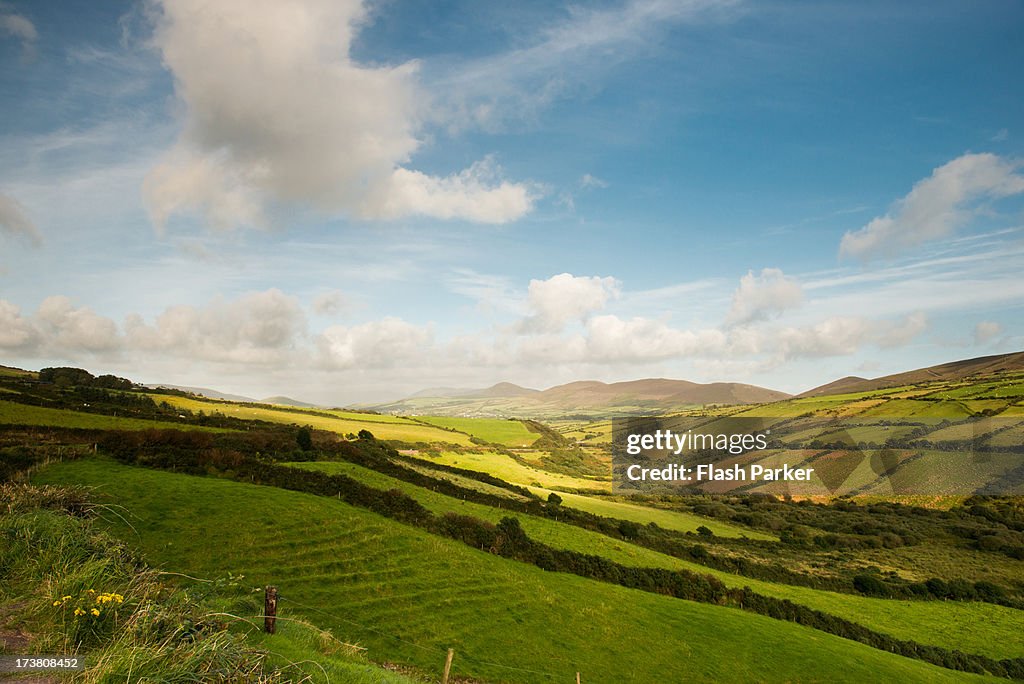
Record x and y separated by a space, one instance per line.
364 417
345 422
407 595
519 474
670 520
980 628
49 552
511 433
585 433
22 414
511 470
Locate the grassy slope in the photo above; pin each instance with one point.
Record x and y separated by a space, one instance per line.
53 552
358 567
344 422
301 650
671 520
7 371
511 470
22 414
506 432
972 627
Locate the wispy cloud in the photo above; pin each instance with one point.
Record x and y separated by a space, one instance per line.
936 206
14 221
19 27
518 84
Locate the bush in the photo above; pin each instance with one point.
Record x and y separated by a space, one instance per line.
870 585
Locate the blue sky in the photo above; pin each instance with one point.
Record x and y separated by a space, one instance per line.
351 201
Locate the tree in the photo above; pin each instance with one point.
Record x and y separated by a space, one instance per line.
705 531
554 499
64 376
365 434
304 438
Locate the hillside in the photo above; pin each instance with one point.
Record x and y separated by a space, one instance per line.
955 370
403 547
507 621
288 401
140 626
202 392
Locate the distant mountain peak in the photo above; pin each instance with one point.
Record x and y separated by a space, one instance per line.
202 391
504 389
288 401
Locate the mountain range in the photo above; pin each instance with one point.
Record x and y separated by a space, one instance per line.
593 399
586 398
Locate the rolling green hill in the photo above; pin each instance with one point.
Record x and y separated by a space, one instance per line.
511 433
980 628
22 414
408 596
340 422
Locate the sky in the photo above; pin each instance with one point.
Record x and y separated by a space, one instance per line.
349 202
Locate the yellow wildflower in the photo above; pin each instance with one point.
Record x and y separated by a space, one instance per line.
56 603
79 611
64 598
95 612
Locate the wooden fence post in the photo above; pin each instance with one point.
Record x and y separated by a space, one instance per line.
270 609
448 665
577 678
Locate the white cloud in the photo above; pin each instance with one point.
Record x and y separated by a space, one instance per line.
845 335
14 221
936 206
259 328
57 328
210 185
589 181
376 344
564 298
17 333
611 339
763 296
66 327
475 194
276 111
986 331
